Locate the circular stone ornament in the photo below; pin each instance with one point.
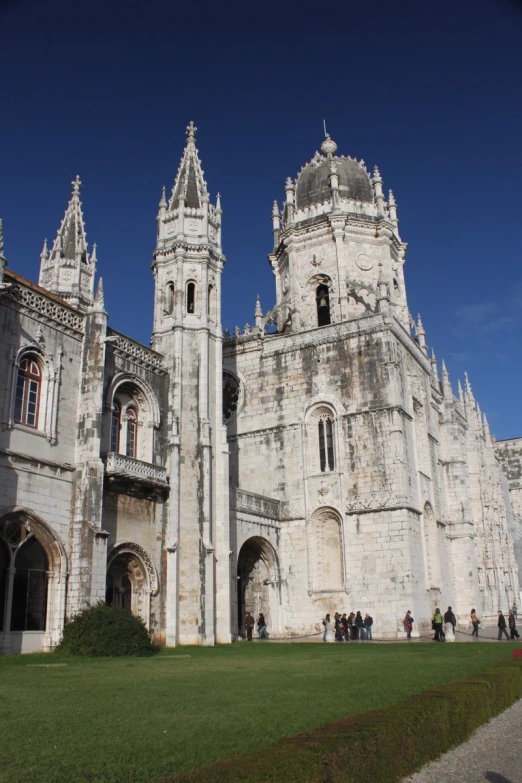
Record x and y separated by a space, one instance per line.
364 262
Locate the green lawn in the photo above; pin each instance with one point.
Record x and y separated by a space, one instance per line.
136 720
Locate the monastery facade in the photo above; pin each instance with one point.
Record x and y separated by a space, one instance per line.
317 461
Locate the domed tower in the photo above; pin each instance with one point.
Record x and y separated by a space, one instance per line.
337 249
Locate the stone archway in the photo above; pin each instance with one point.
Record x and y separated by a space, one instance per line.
258 583
33 577
131 580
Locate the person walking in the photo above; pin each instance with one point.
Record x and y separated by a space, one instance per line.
450 618
368 622
249 625
327 625
408 624
475 622
512 623
262 632
501 625
437 626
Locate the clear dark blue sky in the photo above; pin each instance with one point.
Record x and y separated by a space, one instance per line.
431 92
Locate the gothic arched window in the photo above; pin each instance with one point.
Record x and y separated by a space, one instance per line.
28 388
326 444
115 426
322 299
191 297
132 433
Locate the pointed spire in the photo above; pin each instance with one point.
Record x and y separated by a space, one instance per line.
258 313
163 200
94 257
67 269
392 207
421 334
189 186
485 424
99 299
461 393
446 385
71 239
377 186
434 370
469 390
218 204
45 253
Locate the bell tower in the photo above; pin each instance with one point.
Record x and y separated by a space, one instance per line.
337 250
187 268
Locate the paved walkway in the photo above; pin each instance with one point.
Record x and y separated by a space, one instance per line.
493 754
486 635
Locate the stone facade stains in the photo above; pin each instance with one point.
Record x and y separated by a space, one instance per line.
315 461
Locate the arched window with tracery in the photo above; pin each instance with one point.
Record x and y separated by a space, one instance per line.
132 432
322 299
115 426
321 439
326 444
28 390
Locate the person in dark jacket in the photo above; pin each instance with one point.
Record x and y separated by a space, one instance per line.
512 622
449 617
408 624
501 625
346 630
249 625
261 627
359 624
368 622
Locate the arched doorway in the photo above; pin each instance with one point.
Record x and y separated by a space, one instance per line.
131 580
33 573
258 583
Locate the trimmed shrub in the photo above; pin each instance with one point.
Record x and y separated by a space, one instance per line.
105 630
381 746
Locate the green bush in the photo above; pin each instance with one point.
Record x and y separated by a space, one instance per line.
381 746
105 631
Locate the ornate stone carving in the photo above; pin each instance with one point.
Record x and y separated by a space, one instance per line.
143 555
52 311
139 354
259 505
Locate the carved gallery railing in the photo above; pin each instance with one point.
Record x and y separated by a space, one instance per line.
251 503
134 476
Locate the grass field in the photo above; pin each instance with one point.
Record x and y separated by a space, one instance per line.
136 720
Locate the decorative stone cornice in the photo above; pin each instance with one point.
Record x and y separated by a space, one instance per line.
136 353
46 309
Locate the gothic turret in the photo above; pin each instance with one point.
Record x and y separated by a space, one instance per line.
68 270
187 271
189 227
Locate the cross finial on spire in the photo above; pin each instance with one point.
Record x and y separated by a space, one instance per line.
191 131
77 184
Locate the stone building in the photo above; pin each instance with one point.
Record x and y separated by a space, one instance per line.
313 462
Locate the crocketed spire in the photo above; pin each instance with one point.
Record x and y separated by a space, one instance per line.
190 185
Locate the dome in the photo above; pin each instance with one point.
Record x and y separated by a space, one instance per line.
313 183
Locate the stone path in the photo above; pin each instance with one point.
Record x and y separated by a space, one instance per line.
493 754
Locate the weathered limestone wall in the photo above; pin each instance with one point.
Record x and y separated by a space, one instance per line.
509 455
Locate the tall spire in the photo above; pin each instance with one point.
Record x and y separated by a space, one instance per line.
190 185
67 270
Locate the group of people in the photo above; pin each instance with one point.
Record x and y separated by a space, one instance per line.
348 627
250 624
502 625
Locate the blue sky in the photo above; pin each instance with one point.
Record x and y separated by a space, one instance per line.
429 92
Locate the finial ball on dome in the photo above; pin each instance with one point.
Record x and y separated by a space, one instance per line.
328 147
